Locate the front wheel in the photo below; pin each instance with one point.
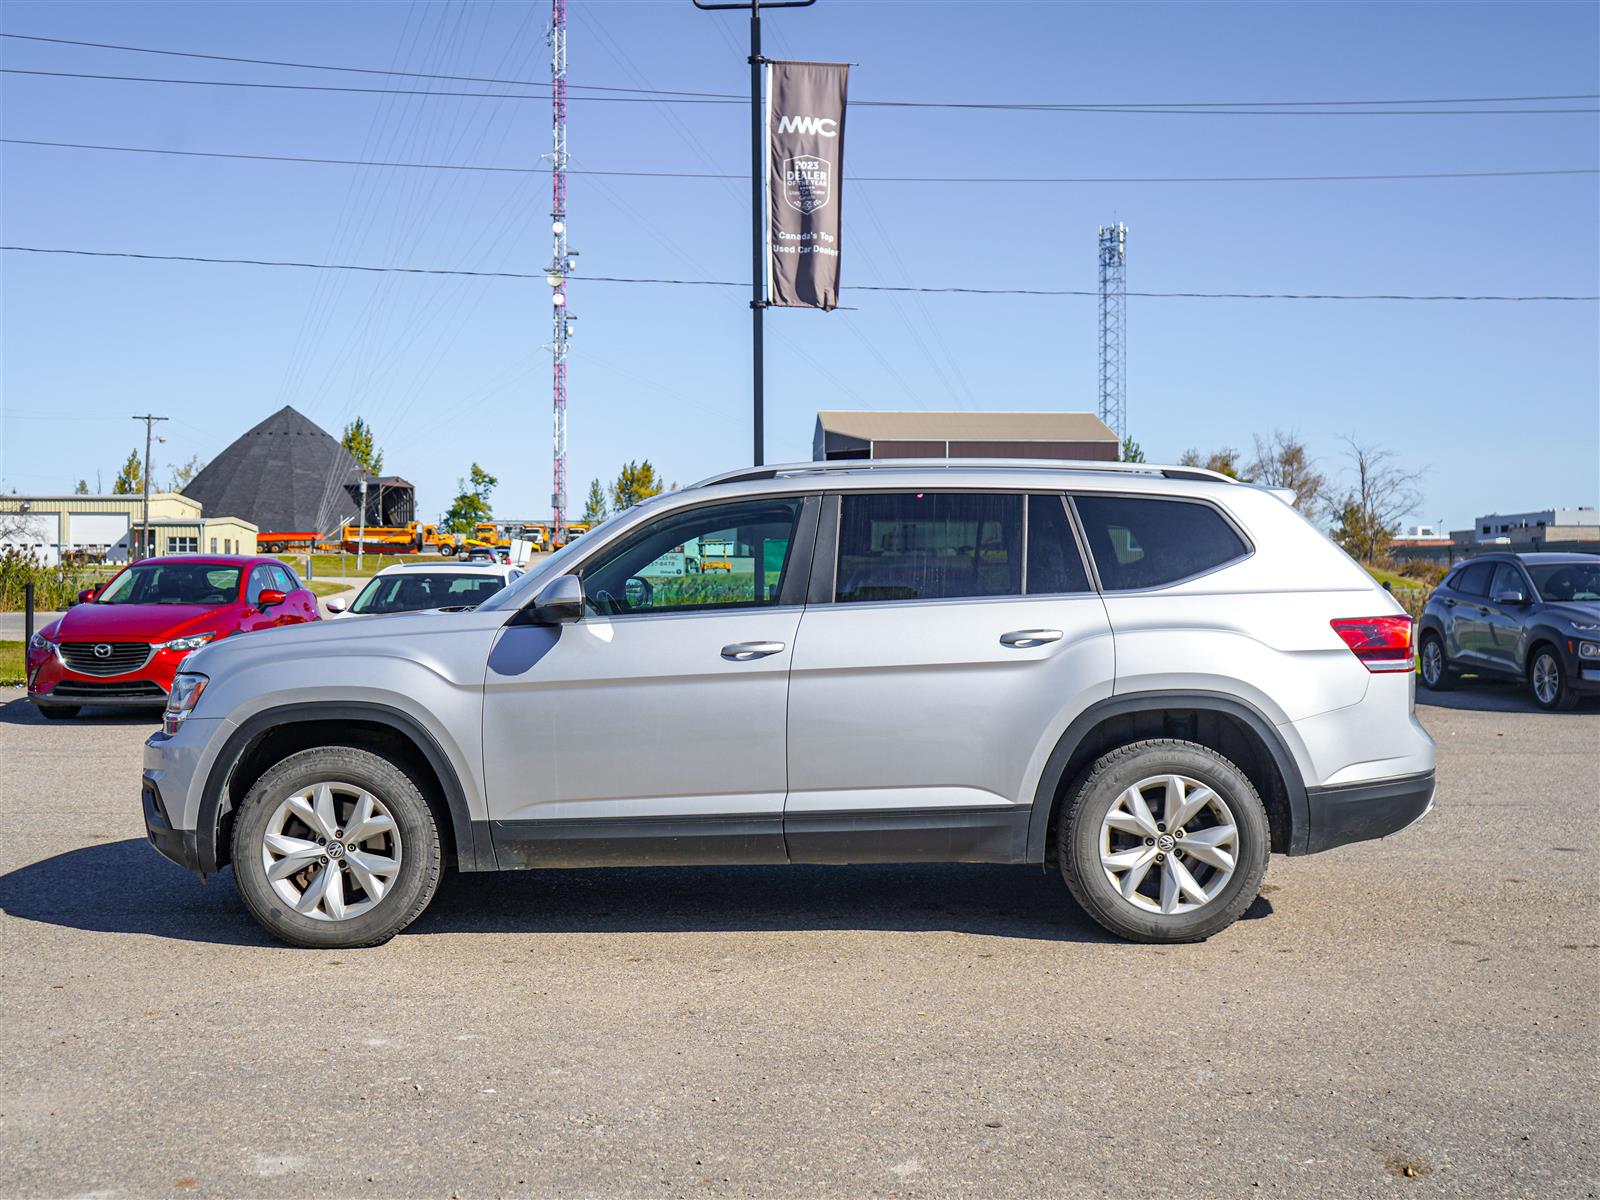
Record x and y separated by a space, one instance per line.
1547 680
447 551
1164 841
335 848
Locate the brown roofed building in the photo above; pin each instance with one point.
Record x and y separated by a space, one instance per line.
1079 435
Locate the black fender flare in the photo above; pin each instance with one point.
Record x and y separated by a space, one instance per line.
1050 779
1545 633
473 852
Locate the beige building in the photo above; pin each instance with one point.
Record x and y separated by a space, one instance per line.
108 527
1070 435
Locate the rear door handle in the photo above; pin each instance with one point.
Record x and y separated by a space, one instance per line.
1030 637
745 651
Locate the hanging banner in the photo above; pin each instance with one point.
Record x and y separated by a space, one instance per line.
805 167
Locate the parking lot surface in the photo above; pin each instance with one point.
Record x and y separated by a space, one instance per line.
1416 1016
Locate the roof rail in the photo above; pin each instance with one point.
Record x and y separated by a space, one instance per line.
846 465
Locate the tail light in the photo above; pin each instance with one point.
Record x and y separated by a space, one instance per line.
1381 643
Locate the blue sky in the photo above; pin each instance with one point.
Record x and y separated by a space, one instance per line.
1500 403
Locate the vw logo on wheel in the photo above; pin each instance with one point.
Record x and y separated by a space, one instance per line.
102 650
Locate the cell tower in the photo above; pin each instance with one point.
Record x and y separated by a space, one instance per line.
1114 329
561 262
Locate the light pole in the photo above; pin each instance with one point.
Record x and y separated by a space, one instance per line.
361 537
144 520
758 299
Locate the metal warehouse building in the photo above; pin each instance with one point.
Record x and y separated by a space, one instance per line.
1078 435
50 527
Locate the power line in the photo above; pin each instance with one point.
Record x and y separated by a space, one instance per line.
1019 179
734 97
962 291
1138 110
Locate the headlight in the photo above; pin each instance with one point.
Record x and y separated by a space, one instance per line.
185 694
193 642
1589 649
39 644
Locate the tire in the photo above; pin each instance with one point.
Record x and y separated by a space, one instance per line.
1444 676
414 842
1106 786
447 551
58 712
1547 674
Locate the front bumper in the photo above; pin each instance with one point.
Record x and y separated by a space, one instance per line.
51 683
179 845
1359 812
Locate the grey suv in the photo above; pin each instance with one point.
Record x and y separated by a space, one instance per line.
1529 617
1149 678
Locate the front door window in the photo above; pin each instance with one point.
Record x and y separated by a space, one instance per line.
722 556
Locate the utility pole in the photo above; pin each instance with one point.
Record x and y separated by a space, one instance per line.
562 261
758 217
1114 329
149 420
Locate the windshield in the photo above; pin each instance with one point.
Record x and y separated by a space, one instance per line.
413 591
1567 581
546 566
173 583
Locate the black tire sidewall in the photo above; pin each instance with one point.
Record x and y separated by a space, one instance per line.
1563 698
1446 678
420 856
1079 840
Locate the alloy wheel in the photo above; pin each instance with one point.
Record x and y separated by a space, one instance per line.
331 851
1432 662
1546 678
1176 862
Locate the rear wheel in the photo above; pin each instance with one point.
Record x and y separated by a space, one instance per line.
58 712
1547 680
335 848
447 551
1437 674
1164 841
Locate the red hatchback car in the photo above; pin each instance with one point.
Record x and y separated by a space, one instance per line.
123 644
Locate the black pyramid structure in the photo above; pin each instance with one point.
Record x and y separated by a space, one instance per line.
286 474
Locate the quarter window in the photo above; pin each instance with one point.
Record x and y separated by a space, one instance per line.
1054 564
717 557
1146 542
928 546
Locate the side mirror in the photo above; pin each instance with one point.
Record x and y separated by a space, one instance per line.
336 606
1510 598
559 602
270 597
88 594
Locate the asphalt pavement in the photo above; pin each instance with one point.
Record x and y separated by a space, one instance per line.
1413 1017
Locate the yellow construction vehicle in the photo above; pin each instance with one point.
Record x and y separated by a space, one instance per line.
395 539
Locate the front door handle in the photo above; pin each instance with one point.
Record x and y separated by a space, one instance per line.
1030 637
745 651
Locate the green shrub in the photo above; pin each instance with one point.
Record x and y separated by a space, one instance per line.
53 587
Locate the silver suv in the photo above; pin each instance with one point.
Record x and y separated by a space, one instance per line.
1148 677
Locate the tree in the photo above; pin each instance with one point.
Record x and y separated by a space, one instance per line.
359 441
635 482
1281 461
183 472
472 504
1382 494
82 489
1224 461
1131 451
130 480
595 508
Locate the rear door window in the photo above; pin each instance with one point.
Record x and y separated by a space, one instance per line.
928 546
1054 565
1474 580
1148 541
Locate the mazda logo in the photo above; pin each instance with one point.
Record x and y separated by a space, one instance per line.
103 650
